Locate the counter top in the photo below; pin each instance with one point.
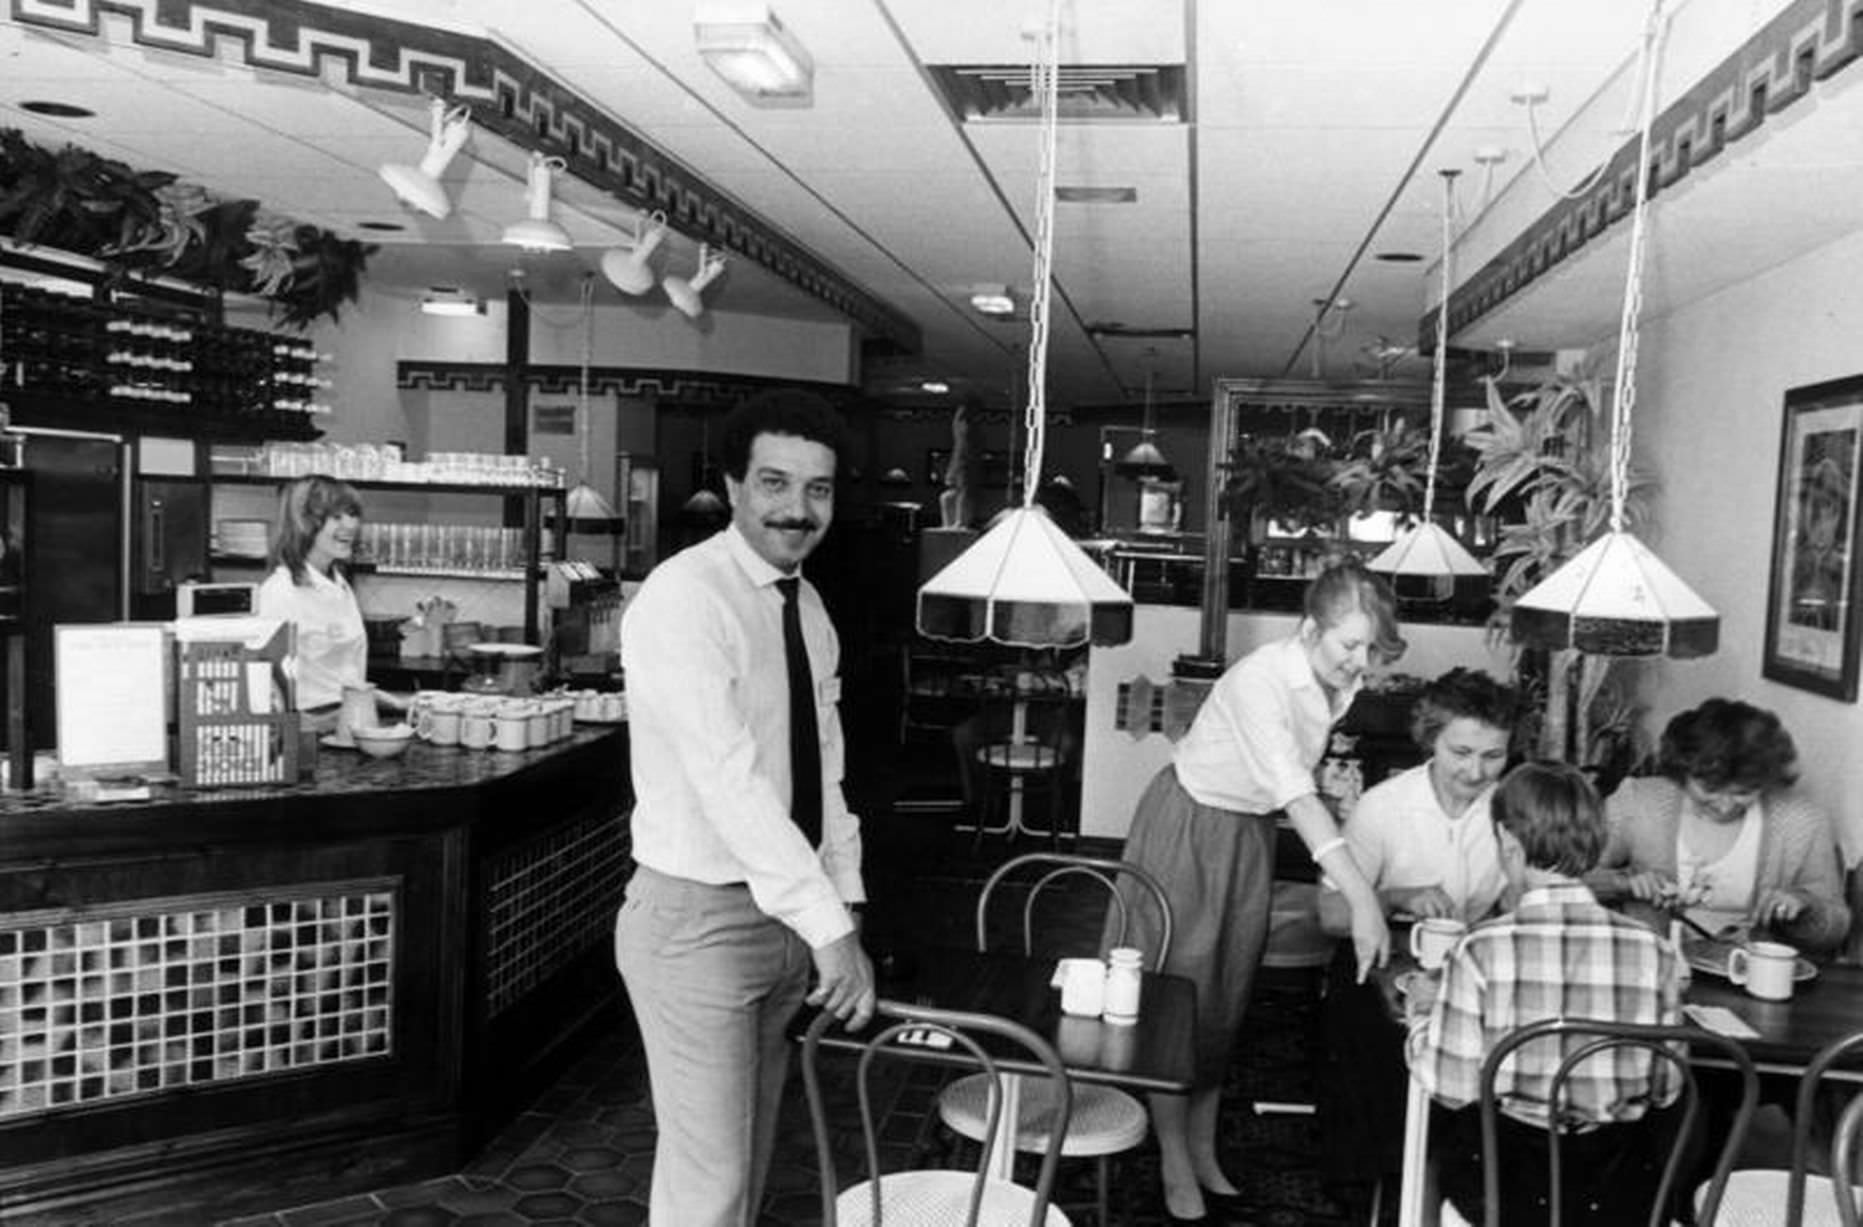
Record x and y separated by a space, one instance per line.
53 818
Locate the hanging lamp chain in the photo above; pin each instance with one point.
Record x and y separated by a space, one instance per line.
1044 79
588 348
1624 387
1440 378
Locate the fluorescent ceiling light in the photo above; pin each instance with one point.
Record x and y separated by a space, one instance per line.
449 300
993 300
752 51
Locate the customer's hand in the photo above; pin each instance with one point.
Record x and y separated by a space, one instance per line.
1778 906
844 981
1426 902
1371 939
1651 887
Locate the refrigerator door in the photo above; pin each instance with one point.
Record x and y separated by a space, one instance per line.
171 543
74 546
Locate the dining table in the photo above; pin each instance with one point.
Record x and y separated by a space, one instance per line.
1154 1054
1825 1006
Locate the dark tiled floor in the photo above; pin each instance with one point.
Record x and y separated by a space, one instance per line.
582 1153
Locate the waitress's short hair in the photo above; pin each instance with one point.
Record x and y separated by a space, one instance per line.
780 411
1345 587
305 505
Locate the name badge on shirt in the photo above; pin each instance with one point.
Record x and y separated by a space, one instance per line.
828 692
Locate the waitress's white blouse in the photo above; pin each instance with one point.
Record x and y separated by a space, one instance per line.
333 647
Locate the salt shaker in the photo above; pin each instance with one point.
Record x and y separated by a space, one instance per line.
1122 986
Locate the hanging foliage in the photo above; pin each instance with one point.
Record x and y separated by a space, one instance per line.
146 222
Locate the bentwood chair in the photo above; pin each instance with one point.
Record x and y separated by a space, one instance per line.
1768 1196
1106 1121
931 1197
1583 1040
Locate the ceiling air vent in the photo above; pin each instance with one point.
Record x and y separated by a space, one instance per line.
983 93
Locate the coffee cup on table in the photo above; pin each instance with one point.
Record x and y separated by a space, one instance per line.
1432 938
1764 969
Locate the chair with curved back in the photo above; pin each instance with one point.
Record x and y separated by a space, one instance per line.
1755 1195
1106 1121
943 1197
1585 1039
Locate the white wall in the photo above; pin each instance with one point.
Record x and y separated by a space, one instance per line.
1711 385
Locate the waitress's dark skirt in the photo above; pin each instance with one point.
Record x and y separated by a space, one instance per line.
1216 867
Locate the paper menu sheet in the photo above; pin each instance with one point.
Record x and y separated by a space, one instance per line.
112 702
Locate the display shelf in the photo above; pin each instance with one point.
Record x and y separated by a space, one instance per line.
137 368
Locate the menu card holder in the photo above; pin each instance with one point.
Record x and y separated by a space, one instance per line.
112 699
233 702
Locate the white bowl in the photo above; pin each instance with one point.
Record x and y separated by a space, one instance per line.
384 742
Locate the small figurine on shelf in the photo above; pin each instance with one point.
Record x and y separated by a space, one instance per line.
957 506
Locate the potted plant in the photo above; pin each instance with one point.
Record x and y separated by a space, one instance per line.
1287 479
1542 463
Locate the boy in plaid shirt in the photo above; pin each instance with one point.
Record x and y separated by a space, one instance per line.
1558 953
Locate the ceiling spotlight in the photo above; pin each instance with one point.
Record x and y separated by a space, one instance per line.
537 232
750 49
993 300
685 291
627 267
418 187
937 387
451 300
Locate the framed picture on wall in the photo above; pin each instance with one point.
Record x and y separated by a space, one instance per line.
1816 589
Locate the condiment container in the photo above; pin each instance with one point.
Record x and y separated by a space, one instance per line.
1124 969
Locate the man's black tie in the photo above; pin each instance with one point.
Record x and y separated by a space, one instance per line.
805 759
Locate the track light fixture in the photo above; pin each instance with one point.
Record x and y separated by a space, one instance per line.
537 232
685 291
628 268
418 187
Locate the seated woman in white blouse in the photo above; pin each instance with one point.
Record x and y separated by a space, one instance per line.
1722 836
1423 837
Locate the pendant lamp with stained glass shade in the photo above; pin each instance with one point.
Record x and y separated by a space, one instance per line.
1616 598
1427 555
1145 458
1024 582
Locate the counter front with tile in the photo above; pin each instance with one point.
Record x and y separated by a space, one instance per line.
216 995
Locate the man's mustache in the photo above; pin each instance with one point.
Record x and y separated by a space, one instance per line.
804 524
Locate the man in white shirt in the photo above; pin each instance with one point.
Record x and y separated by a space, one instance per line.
748 870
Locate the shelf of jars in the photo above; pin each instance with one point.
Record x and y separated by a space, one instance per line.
72 361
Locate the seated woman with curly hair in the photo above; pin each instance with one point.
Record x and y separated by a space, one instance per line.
1722 837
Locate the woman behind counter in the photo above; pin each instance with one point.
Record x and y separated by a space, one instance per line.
1206 829
312 543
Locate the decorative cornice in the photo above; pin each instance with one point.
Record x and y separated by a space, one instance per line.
1811 40
508 96
668 388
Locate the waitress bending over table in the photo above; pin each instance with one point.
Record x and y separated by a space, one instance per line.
1205 828
313 540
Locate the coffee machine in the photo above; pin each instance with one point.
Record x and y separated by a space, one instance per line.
586 612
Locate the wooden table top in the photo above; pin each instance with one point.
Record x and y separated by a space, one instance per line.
1154 1054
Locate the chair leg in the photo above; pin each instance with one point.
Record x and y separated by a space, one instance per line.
1104 1200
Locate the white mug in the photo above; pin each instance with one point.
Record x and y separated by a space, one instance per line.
1766 969
1432 938
1083 986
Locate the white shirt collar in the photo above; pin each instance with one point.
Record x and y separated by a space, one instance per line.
759 571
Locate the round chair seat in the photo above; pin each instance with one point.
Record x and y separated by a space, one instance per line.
1755 1197
1105 1120
1019 756
940 1199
